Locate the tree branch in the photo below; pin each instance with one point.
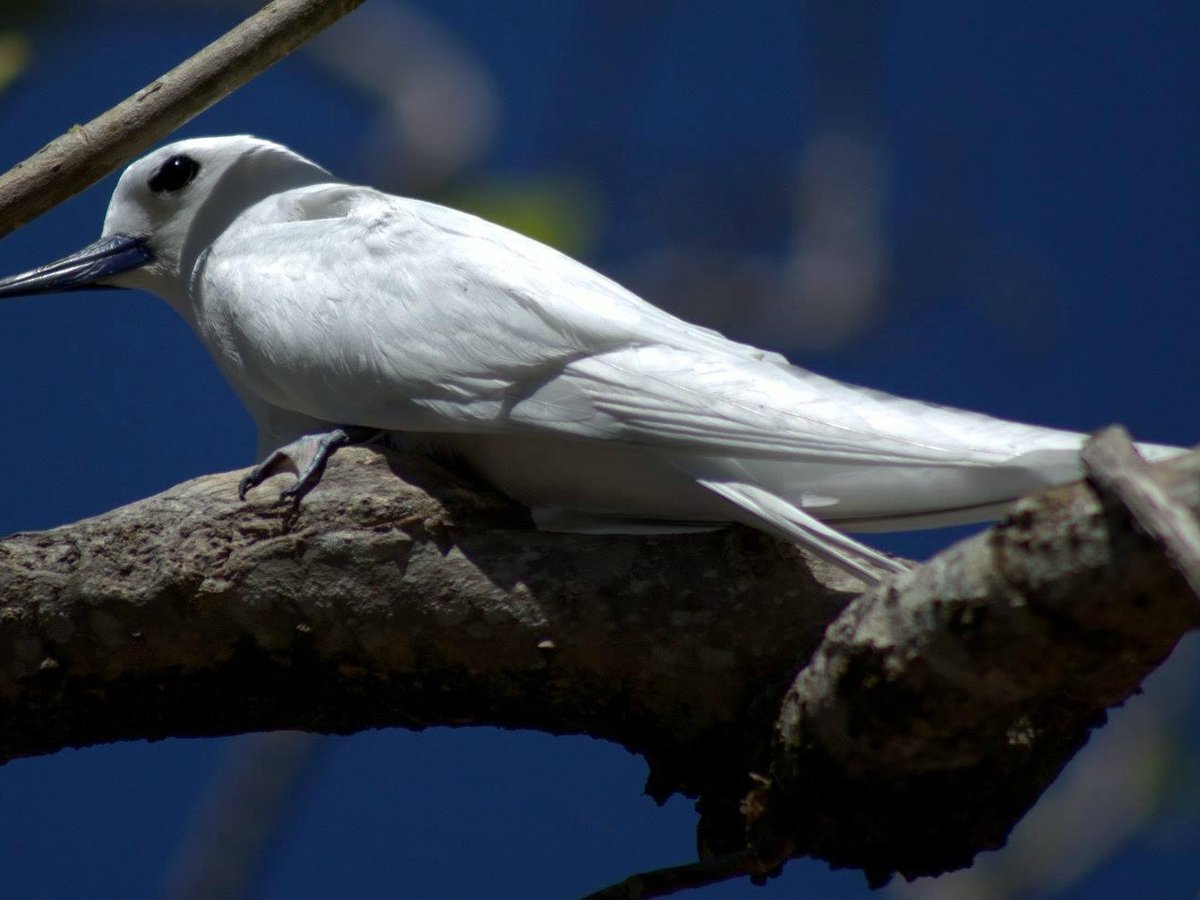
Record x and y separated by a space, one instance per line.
86 153
382 604
1118 472
941 705
662 882
908 737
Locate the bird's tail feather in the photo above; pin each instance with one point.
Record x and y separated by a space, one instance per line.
881 498
773 513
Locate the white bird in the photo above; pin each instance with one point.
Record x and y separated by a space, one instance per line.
338 311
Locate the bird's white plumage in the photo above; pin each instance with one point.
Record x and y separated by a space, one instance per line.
330 304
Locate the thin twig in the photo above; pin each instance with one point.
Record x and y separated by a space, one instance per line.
662 882
86 153
1115 468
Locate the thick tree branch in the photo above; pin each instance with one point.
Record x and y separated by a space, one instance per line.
939 706
381 604
86 153
910 736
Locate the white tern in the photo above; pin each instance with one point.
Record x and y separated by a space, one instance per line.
338 311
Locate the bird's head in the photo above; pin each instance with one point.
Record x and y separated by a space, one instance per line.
167 207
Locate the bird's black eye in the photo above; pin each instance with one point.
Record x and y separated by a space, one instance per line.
175 174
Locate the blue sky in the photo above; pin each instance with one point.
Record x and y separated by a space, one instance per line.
1042 214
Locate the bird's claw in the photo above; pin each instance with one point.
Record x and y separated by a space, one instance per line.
252 480
307 457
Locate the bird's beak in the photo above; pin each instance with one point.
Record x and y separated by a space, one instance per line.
107 257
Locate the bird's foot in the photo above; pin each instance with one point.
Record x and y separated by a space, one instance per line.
307 457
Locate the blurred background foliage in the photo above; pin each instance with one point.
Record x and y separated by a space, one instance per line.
989 206
14 56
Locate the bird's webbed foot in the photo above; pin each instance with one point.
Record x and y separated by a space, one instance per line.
307 457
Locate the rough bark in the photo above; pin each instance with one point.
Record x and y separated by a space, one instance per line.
906 738
940 706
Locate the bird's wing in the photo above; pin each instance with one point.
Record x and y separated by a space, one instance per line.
341 300
611 365
411 316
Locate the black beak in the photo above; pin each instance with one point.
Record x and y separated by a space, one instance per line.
107 257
